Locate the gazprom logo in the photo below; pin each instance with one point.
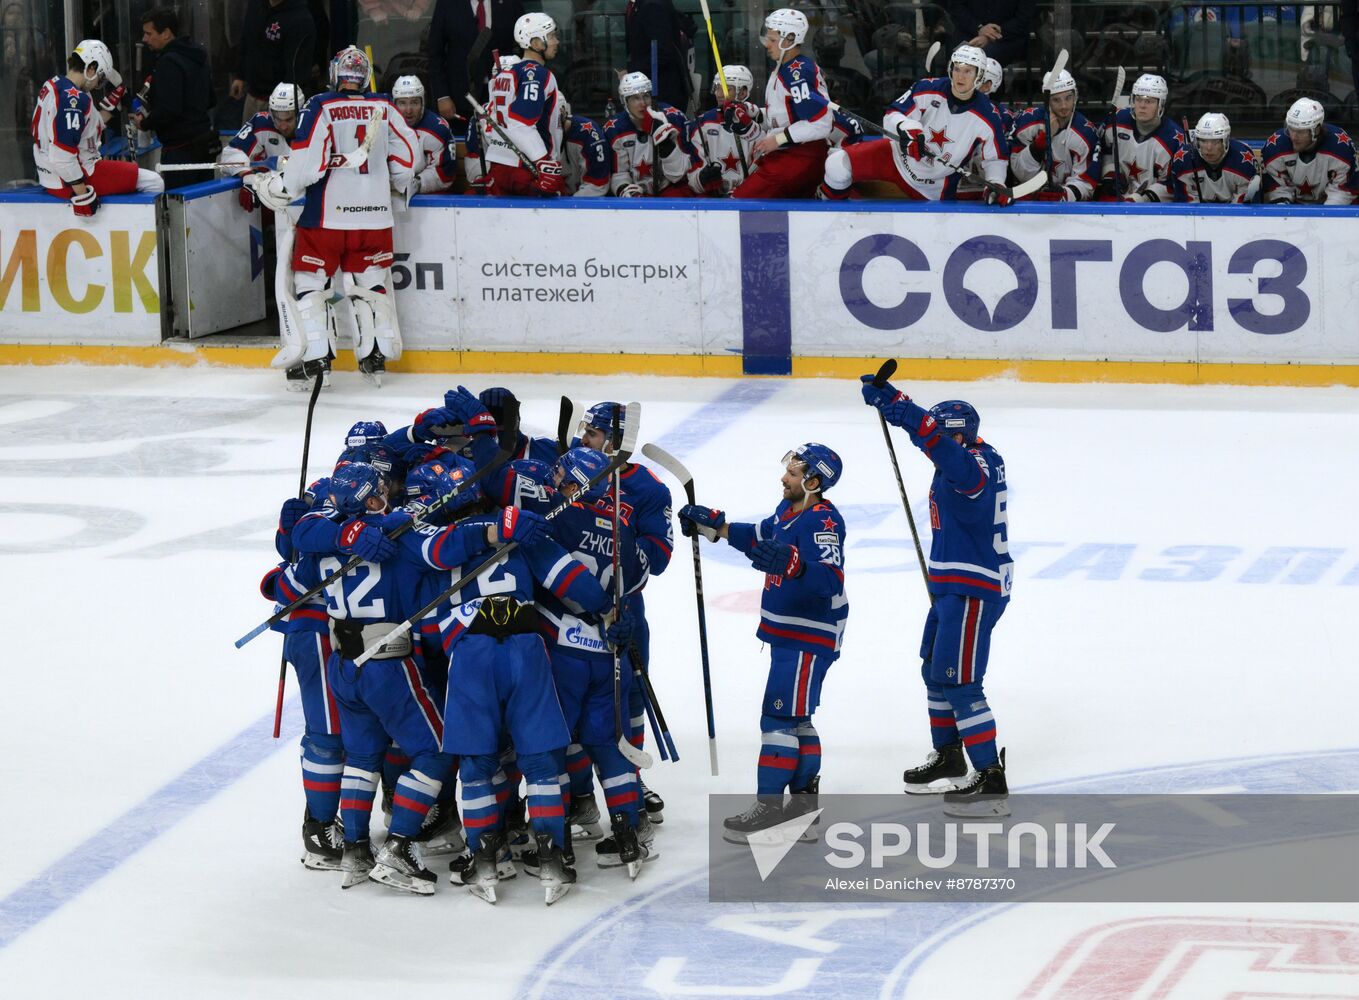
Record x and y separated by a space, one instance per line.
575 636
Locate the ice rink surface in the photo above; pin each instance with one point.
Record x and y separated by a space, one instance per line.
1187 585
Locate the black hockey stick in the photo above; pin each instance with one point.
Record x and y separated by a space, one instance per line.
509 436
888 369
1051 81
567 419
1118 167
673 466
1188 136
665 742
504 136
474 57
301 492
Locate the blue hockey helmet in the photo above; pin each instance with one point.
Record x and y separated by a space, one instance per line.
318 490
531 468
817 460
352 485
606 417
955 415
579 466
432 480
365 432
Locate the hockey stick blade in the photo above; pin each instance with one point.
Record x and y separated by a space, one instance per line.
1119 80
1028 187
888 369
636 757
929 56
672 465
568 420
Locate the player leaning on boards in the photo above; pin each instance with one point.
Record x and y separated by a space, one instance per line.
800 549
970 573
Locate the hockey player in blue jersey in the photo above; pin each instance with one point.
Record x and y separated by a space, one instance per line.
970 576
1309 162
588 158
800 549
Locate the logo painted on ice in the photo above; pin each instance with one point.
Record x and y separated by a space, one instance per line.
670 941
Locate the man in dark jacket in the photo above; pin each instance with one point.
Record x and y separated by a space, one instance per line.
278 41
453 33
1000 28
179 98
659 21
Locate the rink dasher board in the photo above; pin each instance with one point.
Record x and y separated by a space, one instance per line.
768 283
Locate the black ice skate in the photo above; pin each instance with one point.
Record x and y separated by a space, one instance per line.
322 843
554 875
767 811
655 805
373 367
946 762
483 876
399 866
441 832
804 801
302 377
356 863
585 820
459 869
987 794
623 848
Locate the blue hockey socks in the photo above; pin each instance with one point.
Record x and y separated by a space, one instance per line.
779 753
808 758
976 724
545 811
322 765
358 787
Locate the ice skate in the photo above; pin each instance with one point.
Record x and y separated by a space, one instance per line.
987 794
766 811
554 875
655 805
356 863
947 762
322 844
301 378
399 865
442 832
623 848
482 876
803 801
373 367
585 820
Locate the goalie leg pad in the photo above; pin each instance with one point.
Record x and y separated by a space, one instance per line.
375 313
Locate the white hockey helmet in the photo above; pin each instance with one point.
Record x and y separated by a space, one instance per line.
786 22
1061 83
1212 126
350 65
736 77
287 97
507 61
1151 85
408 86
92 50
995 74
968 55
1306 114
634 84
534 24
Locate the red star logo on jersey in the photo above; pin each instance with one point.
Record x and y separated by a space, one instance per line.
1133 170
643 169
828 524
1181 155
729 162
1306 189
1344 137
940 137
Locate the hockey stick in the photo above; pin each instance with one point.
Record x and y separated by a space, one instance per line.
666 742
1189 137
504 137
301 492
722 78
655 98
508 438
1049 81
568 419
888 369
1113 101
474 55
929 56
673 466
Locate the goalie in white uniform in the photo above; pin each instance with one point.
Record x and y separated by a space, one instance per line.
352 150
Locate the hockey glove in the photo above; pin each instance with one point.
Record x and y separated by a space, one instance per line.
291 511
365 541
1038 148
997 194
777 559
1071 193
912 143
630 191
664 137
112 99
86 203
550 180
469 411
522 526
437 422
737 118
620 633
710 178
705 521
319 489
879 395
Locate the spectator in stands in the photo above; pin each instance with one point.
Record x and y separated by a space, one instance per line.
998 27
458 63
1349 30
658 21
179 99
278 40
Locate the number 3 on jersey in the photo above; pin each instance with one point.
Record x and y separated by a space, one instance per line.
349 602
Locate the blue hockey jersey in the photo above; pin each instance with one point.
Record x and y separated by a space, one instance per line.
809 612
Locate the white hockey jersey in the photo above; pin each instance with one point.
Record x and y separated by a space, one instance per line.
1143 161
526 105
1324 175
963 134
1074 152
258 140
796 100
1233 181
66 131
336 123
715 144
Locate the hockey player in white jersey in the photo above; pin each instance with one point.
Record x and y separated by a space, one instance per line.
1139 168
436 165
1309 162
716 141
1213 167
1057 139
525 104
68 127
646 132
351 152
267 136
943 127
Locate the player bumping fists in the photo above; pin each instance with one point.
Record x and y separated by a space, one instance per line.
706 521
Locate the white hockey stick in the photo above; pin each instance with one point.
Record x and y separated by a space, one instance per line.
1028 187
929 56
358 157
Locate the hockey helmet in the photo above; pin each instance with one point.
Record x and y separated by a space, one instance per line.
350 65
531 468
428 482
533 25
816 460
579 466
352 486
995 74
1306 115
955 415
1061 83
1212 126
607 417
1153 86
94 52
737 77
788 23
968 55
364 433
634 85
286 99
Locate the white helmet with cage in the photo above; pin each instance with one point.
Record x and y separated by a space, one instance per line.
350 65
787 22
534 24
1153 86
95 52
995 74
1306 114
737 77
634 85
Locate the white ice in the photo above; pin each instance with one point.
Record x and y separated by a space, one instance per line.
136 517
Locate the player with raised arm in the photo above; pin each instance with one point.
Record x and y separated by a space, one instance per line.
647 131
796 120
437 162
1214 167
525 105
943 129
1072 148
717 141
800 549
67 130
970 575
1309 162
1147 143
346 220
